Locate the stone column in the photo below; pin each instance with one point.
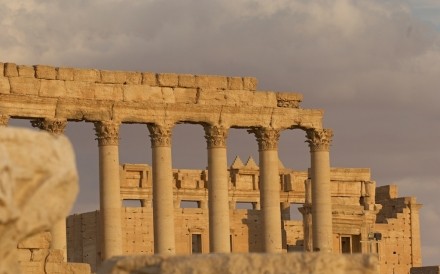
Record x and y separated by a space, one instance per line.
306 211
163 208
4 120
55 126
269 188
218 189
319 141
107 133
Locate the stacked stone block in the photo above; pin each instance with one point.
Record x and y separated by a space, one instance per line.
137 230
121 86
35 256
83 239
398 224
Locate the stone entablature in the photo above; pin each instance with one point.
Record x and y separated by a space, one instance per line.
144 97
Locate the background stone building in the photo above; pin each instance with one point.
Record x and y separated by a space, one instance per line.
366 218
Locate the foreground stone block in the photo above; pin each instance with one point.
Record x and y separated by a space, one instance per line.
303 263
425 270
41 240
38 185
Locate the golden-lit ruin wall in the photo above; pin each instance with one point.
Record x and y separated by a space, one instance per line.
358 209
398 222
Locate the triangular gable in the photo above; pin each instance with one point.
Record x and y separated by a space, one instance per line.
250 164
237 164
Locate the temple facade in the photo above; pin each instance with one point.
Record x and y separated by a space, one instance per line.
365 218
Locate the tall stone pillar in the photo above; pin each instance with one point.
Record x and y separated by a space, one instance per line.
107 133
319 141
4 120
306 211
414 207
218 189
269 187
163 207
55 126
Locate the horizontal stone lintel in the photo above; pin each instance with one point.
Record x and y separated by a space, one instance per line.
11 70
239 116
206 95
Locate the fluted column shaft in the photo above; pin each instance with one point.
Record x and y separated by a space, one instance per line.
269 188
218 189
163 205
107 133
58 231
319 141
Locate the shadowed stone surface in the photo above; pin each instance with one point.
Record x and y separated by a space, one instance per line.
243 263
426 270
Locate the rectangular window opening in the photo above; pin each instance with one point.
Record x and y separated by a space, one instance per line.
131 203
189 204
244 205
294 212
346 244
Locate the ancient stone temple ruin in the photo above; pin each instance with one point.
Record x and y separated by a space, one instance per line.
366 218
241 207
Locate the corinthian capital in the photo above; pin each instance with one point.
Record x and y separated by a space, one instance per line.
107 133
55 126
267 138
216 135
160 135
4 119
319 139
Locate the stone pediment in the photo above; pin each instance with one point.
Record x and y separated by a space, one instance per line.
250 164
238 163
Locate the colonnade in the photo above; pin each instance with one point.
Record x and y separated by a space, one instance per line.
107 133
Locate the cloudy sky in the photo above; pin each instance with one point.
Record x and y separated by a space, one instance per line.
374 66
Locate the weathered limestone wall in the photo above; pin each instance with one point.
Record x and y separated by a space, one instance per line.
145 97
83 239
304 263
398 222
36 257
137 231
355 207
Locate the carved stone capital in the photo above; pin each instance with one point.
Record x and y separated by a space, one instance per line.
107 133
160 135
319 139
267 138
216 135
55 126
4 120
